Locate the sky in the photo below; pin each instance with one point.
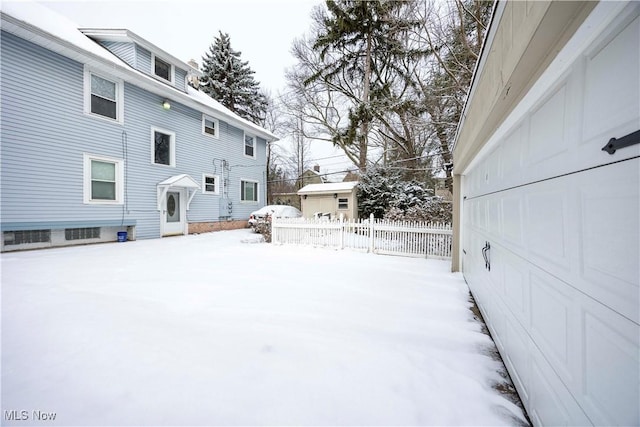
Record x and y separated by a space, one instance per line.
109 335
263 31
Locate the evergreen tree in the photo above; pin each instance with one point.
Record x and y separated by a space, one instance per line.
356 41
229 80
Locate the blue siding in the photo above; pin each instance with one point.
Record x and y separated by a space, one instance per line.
143 60
180 79
123 50
45 133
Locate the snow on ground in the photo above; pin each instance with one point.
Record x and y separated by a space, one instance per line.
212 330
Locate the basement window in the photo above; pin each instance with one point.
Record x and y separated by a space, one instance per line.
82 233
26 237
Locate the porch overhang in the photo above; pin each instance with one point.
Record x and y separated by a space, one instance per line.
182 181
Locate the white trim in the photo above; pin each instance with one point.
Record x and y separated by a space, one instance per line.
252 202
216 123
86 173
216 184
172 148
244 145
119 95
172 80
593 27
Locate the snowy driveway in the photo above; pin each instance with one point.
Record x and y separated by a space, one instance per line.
208 330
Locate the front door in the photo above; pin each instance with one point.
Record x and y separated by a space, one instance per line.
173 216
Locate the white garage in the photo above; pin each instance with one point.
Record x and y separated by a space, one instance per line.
547 221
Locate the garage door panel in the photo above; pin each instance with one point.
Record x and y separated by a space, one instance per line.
511 164
547 132
516 357
611 86
554 326
512 217
610 355
516 288
551 402
547 222
610 234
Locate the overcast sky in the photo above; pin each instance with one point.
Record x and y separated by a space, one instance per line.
263 30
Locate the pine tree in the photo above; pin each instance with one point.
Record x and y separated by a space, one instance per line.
229 80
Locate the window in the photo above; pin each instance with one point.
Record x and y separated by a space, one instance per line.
103 96
162 69
249 146
210 126
103 180
248 191
343 203
82 233
163 147
26 237
210 184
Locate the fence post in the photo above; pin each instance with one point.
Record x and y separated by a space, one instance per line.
274 237
342 231
371 237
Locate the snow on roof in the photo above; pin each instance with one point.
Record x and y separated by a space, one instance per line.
336 187
59 26
45 26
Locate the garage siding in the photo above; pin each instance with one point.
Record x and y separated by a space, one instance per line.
560 290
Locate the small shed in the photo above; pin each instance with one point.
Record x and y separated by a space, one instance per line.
329 200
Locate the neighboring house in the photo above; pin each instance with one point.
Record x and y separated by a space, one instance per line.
101 133
351 176
333 200
547 222
312 176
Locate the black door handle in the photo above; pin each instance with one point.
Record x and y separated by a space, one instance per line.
485 255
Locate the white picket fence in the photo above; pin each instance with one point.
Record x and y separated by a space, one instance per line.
404 238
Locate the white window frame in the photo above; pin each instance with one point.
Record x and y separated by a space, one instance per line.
87 158
346 199
244 145
153 69
216 122
254 202
216 184
172 148
88 72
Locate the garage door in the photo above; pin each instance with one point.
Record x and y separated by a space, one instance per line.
551 233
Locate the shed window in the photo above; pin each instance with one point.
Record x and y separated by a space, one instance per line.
343 203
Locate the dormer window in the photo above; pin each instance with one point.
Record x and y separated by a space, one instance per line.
162 69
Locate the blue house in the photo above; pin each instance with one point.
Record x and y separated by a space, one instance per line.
101 133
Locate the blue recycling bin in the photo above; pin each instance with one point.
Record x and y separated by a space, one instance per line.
122 236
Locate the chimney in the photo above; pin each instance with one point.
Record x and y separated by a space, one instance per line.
316 168
193 79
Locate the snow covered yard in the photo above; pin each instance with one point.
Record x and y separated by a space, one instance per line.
211 330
